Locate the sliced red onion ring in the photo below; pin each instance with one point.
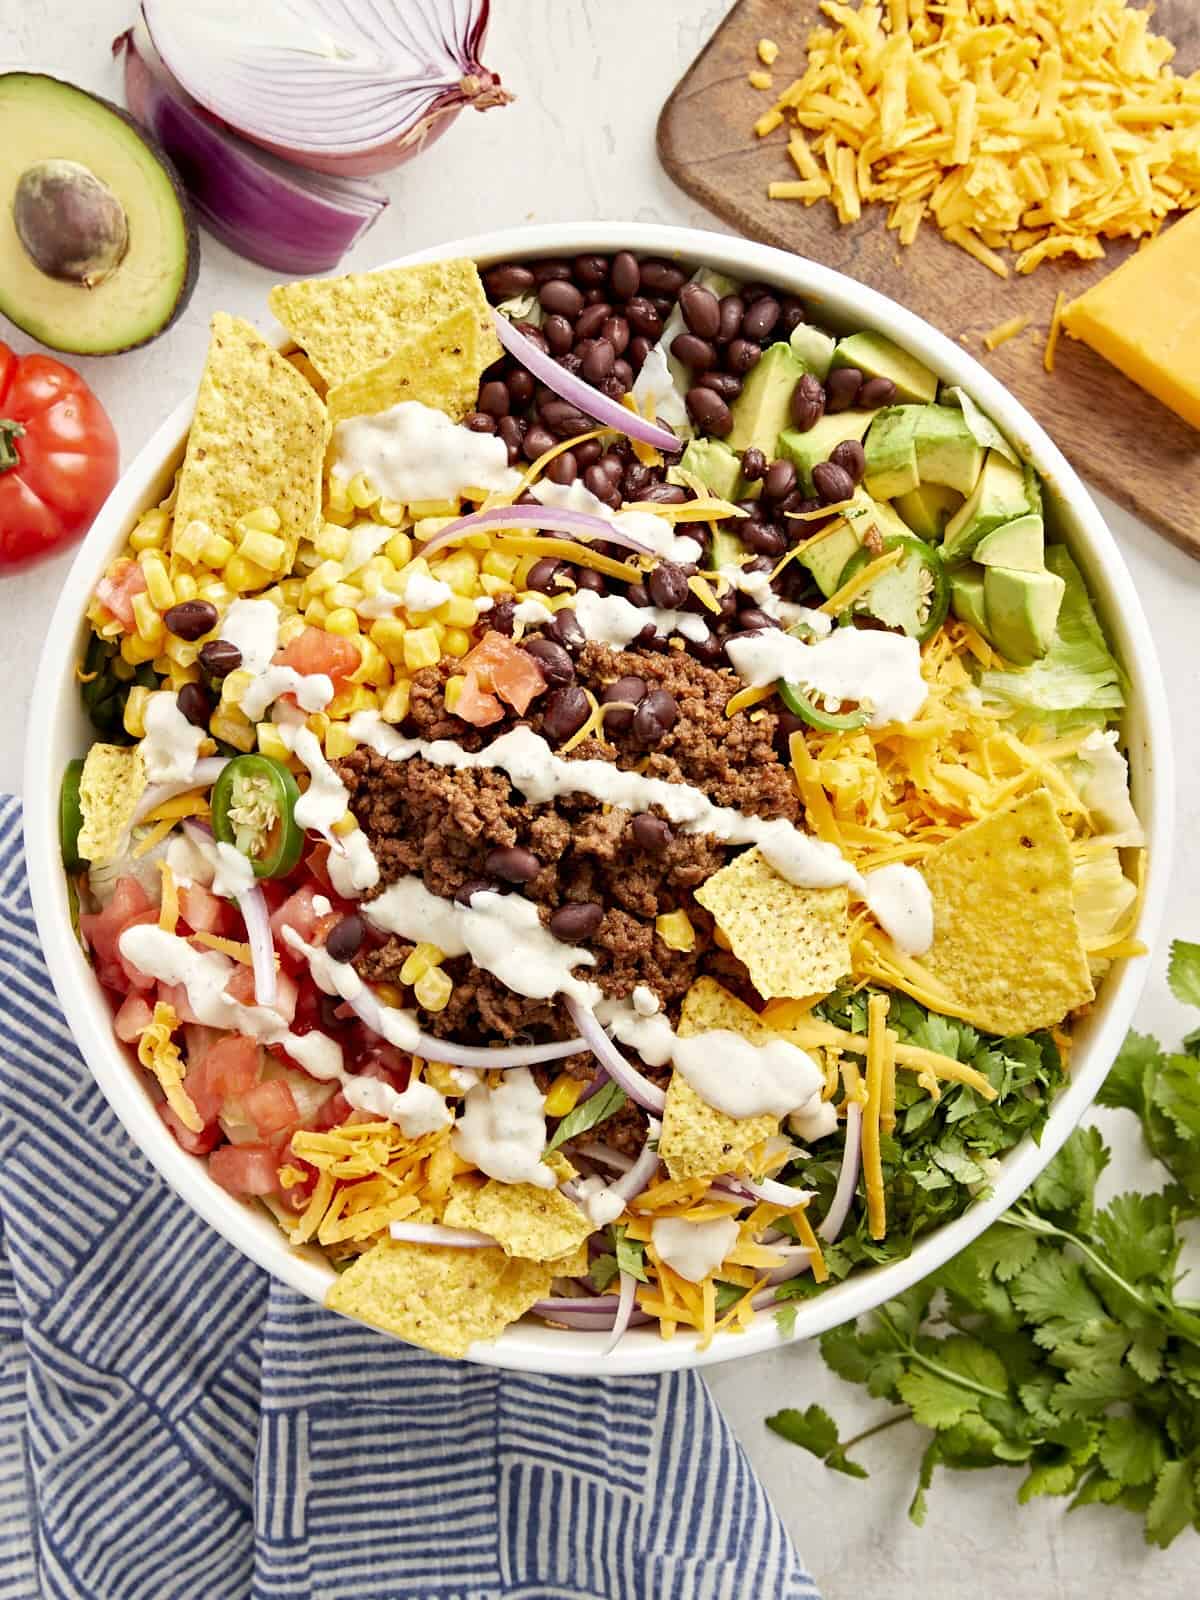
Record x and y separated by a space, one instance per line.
639 1089
581 525
625 1307
256 914
369 1010
580 394
843 1196
594 1315
776 1194
205 773
641 1173
605 1155
436 1233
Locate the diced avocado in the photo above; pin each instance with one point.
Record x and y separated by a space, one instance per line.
928 508
827 560
807 450
947 451
1022 609
999 496
1033 489
1020 544
966 598
763 409
814 347
715 464
892 452
877 357
886 520
726 548
98 248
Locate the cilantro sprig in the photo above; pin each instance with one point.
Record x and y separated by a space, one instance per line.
1057 1343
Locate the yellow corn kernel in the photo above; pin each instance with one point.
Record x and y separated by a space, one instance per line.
454 688
360 493
216 591
189 541
433 991
215 551
419 509
317 722
135 711
339 492
422 648
275 595
760 79
345 824
493 586
234 686
315 613
390 513
290 588
244 576
562 1095
456 642
391 994
343 519
147 620
498 565
424 957
158 585
180 652
398 550
339 742
343 621
768 52
351 699
266 550
675 930
323 577
388 633
177 676
270 743
185 586
151 531
343 594
229 725
264 518
458 612
307 560
460 571
424 530
373 664
332 543
395 705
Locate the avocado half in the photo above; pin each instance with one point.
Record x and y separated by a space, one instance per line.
98 246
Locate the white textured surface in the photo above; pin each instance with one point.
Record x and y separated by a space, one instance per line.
580 143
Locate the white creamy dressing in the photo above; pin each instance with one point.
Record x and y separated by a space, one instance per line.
378 605
425 593
899 899
744 1079
611 619
367 539
645 1001
353 868
598 1202
351 864
171 746
647 1032
232 874
187 862
532 613
758 586
503 1130
253 626
693 1249
657 533
879 671
415 452
817 1119
502 934
321 906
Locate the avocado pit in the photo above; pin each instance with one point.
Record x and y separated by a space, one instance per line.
72 225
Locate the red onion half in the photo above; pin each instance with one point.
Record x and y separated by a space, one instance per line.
592 1315
437 1233
580 525
281 216
252 903
843 1196
639 1089
351 87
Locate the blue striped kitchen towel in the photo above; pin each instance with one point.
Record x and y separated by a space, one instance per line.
174 1424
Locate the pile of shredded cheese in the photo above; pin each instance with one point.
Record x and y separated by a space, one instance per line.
1039 126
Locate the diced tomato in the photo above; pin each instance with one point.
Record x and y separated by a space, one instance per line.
518 680
318 864
196 1144
271 1107
383 1061
115 592
497 666
491 651
231 1066
475 705
245 1168
296 912
332 1113
103 929
134 1015
202 910
314 650
175 995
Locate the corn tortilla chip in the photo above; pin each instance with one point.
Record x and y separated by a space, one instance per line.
794 941
110 786
697 1140
440 367
351 324
537 1224
1006 936
257 439
439 1297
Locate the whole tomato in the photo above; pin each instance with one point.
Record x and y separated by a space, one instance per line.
58 457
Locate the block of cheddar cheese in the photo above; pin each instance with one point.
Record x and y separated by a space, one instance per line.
1145 318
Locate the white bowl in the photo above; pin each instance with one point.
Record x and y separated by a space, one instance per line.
59 731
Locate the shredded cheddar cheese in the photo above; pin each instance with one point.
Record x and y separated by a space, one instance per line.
877 1010
1004 331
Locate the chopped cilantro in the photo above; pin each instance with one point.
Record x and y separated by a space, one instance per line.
589 1113
602 1272
630 1253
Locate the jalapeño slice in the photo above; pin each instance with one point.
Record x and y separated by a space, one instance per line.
914 595
802 704
254 809
70 817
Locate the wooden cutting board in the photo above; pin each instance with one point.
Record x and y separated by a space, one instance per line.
1128 444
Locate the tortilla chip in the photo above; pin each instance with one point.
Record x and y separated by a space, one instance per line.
1006 936
697 1140
439 366
537 1224
257 439
794 941
442 1298
351 324
111 784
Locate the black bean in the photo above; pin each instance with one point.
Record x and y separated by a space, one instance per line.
754 464
876 392
475 886
851 456
193 701
562 418
565 629
763 539
793 315
660 277
732 309
547 576
833 483
741 355
570 362
701 310
495 399
219 658
650 833
668 585
637 596
587 452
557 667
328 1007
598 360
546 271
625 275
532 332
558 334
190 619
722 383
807 403
591 270
698 354
622 373
561 297
611 465
345 938
564 468
629 689
753 620
760 318
512 431
508 281
576 921
635 480
708 650
536 442
593 296
592 320
520 387
616 331
639 348
479 422
566 711
501 618
708 411
613 386
779 481
601 485
666 494
793 502
841 388
586 578
655 717
642 317
754 291
512 863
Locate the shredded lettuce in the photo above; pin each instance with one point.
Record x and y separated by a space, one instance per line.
1077 683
